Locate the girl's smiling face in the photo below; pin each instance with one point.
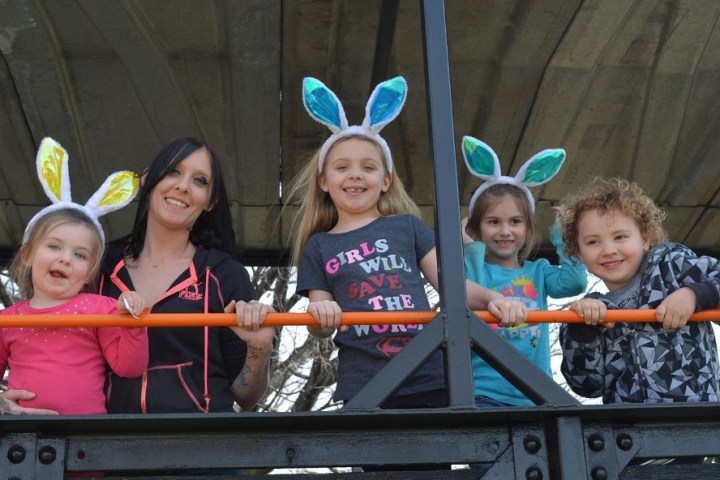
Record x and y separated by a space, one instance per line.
61 263
354 176
503 230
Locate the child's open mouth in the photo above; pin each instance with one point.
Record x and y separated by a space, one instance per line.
57 274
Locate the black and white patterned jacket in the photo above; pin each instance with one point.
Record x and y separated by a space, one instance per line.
642 362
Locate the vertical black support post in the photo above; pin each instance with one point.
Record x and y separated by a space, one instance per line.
384 42
568 449
447 215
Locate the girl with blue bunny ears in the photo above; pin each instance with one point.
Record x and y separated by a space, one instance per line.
360 246
499 234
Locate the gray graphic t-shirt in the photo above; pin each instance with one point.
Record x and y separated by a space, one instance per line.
373 268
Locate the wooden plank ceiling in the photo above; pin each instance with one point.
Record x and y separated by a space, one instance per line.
627 87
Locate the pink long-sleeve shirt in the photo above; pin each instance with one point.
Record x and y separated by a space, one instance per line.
66 367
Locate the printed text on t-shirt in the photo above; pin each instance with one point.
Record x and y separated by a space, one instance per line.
368 258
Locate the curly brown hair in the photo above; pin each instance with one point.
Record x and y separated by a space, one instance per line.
611 195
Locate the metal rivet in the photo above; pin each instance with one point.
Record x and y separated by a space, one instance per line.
596 442
599 473
16 454
47 455
624 441
533 473
532 444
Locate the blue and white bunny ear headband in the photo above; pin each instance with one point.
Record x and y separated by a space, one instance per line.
483 162
52 168
382 107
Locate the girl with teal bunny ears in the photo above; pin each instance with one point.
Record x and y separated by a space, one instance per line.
361 246
499 234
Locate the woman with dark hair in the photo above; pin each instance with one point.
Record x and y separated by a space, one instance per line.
179 257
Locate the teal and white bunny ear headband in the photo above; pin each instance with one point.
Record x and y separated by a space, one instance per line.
382 107
52 168
483 162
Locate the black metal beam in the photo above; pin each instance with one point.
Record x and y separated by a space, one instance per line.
597 441
384 41
453 300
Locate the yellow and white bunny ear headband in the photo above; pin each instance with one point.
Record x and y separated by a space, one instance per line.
382 107
483 162
52 168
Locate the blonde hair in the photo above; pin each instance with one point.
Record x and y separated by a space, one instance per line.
20 269
491 197
606 196
317 212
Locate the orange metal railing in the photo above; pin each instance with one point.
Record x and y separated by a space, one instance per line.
280 319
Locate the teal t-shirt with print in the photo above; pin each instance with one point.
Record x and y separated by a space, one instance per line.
531 284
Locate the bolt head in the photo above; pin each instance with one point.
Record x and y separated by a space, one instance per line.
16 454
596 442
624 441
532 444
47 455
599 473
533 473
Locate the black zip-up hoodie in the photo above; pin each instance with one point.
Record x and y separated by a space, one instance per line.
179 379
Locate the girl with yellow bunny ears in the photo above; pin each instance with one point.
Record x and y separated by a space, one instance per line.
62 370
499 234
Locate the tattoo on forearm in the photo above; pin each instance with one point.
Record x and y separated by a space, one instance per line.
253 354
258 357
241 380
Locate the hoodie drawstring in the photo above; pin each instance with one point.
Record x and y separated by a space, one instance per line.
206 393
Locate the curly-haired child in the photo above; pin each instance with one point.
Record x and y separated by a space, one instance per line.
616 230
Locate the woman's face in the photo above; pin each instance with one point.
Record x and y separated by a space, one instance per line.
184 193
